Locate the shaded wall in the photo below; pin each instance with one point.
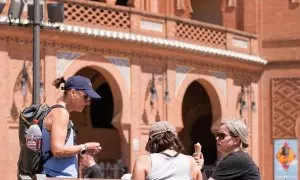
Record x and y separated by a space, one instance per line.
208 11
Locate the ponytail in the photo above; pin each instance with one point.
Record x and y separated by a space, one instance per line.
58 81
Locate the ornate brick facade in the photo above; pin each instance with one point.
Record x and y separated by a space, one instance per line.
285 107
162 42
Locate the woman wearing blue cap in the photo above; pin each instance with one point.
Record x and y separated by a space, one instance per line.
58 147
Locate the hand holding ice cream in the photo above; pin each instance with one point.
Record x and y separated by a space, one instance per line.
198 156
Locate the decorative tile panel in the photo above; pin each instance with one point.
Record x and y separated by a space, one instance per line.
181 73
222 80
64 60
285 106
123 65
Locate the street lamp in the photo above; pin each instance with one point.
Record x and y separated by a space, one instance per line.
55 13
36 52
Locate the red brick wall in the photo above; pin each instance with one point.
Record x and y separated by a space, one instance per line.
280 41
280 32
280 20
268 120
250 10
11 101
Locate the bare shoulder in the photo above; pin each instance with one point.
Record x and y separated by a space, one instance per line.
59 115
143 162
142 167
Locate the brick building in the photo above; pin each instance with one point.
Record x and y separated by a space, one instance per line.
207 60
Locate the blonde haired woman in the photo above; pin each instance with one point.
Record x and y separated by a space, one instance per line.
232 140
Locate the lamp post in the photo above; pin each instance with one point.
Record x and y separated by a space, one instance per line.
36 52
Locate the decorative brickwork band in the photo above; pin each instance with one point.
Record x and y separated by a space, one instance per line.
285 107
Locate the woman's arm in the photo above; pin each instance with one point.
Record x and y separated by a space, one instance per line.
195 170
141 167
60 119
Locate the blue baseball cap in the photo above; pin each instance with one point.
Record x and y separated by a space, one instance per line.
83 84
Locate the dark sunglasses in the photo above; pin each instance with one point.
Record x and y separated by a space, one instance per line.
85 97
222 136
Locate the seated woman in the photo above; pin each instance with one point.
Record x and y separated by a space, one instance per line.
165 161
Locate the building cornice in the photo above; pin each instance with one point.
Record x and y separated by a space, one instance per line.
158 42
142 39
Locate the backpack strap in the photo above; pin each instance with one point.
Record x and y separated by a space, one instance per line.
70 127
57 106
70 124
43 115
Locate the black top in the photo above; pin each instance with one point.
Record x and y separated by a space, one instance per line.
237 166
93 172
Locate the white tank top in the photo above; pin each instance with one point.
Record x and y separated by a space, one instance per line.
166 167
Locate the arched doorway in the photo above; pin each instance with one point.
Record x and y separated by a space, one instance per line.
102 111
207 11
197 119
95 124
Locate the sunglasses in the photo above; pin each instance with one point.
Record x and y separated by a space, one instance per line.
222 136
85 97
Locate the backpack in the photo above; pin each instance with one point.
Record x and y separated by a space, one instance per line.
31 162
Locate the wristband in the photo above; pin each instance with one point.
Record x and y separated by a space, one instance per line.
83 148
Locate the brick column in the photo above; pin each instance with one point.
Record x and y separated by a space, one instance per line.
135 111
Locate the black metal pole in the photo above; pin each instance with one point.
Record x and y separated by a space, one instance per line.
36 52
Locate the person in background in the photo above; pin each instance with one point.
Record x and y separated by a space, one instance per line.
165 161
232 141
91 169
59 153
